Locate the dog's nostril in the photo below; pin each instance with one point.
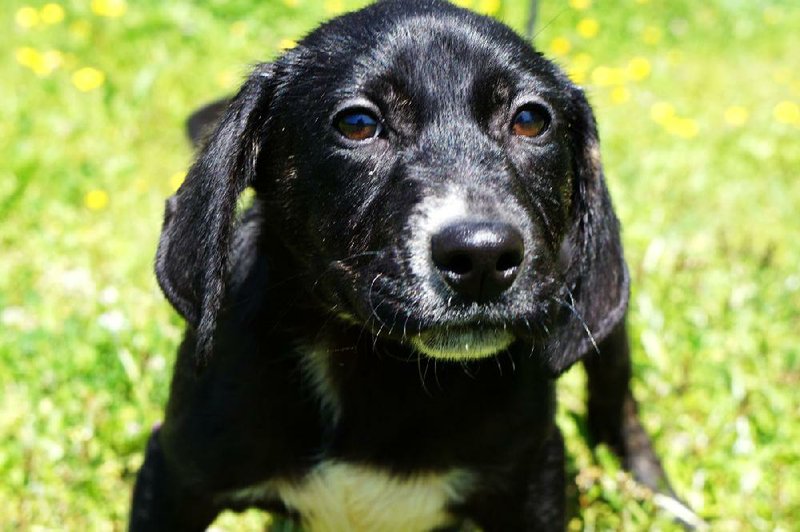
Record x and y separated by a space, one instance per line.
457 263
478 260
509 260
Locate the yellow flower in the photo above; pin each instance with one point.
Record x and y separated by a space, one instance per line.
109 8
580 5
488 7
42 64
560 46
291 3
652 34
620 95
176 179
682 127
29 58
88 78
51 13
638 68
26 17
96 199
286 44
787 112
736 115
588 28
660 112
604 76
333 7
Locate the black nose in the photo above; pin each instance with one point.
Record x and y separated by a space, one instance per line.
479 260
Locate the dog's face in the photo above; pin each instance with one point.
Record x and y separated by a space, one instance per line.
433 178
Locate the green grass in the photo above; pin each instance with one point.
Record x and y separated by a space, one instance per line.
708 198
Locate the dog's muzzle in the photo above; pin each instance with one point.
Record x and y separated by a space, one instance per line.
478 261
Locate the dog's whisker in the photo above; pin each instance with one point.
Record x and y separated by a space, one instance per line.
376 336
579 317
357 256
513 364
421 377
373 308
465 369
405 327
394 321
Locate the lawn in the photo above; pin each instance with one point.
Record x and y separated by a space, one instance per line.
698 106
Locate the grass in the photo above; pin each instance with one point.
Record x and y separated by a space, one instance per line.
698 111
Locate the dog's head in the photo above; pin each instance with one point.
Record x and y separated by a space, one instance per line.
433 177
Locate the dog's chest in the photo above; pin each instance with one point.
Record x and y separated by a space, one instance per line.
341 497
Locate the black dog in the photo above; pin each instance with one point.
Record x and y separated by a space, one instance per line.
431 244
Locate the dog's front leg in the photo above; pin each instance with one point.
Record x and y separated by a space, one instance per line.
529 497
613 415
159 504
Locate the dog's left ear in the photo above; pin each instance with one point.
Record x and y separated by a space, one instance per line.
595 296
192 258
203 121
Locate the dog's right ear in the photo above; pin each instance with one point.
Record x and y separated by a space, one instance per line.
192 257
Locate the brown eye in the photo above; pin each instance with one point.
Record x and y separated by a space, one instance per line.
530 121
358 124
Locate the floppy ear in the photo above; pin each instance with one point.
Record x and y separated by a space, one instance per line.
203 121
192 257
595 296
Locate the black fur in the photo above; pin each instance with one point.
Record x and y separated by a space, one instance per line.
323 262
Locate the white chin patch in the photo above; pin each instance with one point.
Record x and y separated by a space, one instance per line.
462 344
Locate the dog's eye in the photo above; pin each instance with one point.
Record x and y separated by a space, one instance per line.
358 124
530 121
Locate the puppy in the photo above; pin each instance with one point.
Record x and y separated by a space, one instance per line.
373 344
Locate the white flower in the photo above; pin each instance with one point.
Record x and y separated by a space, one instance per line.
109 295
77 280
113 321
157 363
16 317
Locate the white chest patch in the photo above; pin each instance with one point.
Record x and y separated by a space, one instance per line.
343 497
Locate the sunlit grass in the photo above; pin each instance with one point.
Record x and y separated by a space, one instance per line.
698 111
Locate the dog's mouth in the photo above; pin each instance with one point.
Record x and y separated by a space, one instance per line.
437 325
462 343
